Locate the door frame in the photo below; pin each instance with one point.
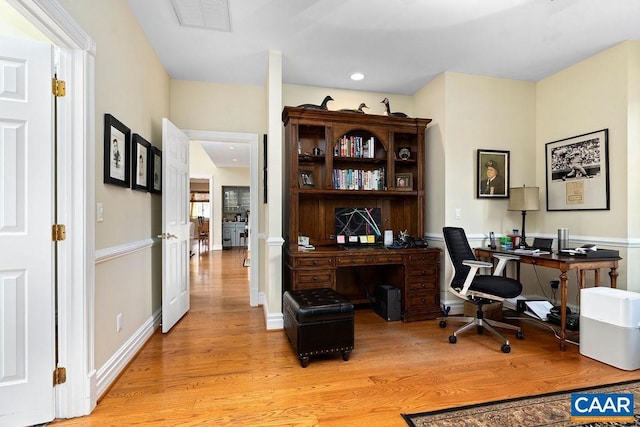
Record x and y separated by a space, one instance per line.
76 194
252 139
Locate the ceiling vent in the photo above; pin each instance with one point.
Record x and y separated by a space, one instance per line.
209 14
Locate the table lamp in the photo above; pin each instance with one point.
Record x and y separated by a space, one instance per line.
524 199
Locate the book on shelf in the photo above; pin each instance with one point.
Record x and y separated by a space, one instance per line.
358 179
355 146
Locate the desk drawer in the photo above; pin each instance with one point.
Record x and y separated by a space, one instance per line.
313 262
388 259
422 273
314 279
422 300
426 257
353 260
417 285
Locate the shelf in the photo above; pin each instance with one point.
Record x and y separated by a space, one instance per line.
357 193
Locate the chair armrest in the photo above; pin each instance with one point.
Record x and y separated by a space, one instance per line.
503 259
508 257
474 266
475 263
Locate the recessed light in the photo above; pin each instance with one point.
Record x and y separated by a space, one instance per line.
234 160
231 147
357 76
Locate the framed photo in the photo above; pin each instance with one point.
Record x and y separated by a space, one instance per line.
577 172
492 177
155 171
117 154
306 180
265 167
140 153
403 181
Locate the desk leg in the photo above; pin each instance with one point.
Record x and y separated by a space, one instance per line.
613 274
563 308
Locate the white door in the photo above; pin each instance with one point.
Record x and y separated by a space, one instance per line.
175 225
26 249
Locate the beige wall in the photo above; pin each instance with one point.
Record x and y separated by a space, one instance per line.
218 107
132 85
599 92
293 95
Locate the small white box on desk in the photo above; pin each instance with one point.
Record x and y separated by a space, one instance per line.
610 326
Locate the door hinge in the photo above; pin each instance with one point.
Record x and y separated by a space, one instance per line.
59 232
59 376
58 87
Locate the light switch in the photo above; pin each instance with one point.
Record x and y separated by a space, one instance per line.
458 213
99 212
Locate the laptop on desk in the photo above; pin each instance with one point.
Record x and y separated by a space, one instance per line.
542 244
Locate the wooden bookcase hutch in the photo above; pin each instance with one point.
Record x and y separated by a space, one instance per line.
340 160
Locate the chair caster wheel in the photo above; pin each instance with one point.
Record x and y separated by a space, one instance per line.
443 323
520 335
480 330
453 339
506 348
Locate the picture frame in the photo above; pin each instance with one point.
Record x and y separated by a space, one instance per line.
403 181
577 172
155 171
117 154
140 155
265 168
493 174
306 179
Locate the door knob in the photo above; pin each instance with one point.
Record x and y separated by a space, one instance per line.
167 236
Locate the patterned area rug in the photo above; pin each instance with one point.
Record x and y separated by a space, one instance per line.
553 409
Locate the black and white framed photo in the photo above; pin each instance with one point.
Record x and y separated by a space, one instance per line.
577 172
140 153
155 171
306 180
117 155
492 179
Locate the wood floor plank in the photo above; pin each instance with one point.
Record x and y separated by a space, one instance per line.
219 366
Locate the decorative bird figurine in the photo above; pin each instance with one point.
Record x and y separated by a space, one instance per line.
388 109
322 106
359 110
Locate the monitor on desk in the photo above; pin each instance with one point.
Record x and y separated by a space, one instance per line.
358 226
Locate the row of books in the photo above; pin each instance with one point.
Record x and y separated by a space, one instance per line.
355 146
358 179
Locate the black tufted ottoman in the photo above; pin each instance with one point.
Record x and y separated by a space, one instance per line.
318 321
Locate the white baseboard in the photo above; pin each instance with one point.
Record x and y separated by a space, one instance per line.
109 372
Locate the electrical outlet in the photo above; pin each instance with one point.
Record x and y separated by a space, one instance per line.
554 284
119 322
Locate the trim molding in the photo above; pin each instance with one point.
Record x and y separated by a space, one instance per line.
109 372
107 254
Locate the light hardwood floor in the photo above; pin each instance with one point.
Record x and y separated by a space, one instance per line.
219 366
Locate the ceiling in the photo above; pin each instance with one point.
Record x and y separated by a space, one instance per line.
398 45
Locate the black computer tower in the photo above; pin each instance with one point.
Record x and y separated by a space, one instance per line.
388 302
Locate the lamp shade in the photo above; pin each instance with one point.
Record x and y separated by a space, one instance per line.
524 199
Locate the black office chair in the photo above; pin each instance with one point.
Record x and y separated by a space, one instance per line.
478 289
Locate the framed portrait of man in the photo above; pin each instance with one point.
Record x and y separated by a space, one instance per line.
492 174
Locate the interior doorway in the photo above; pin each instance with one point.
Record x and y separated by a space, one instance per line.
251 141
201 206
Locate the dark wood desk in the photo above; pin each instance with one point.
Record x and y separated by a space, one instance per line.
564 264
415 271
